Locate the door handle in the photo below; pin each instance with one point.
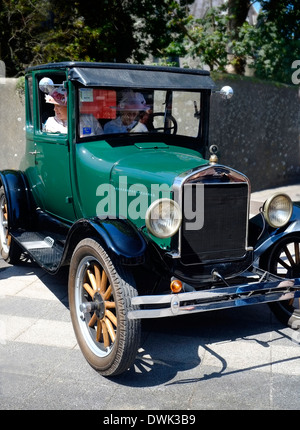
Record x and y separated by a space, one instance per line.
35 154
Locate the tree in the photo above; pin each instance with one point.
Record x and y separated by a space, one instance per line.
19 26
237 14
277 40
223 37
214 37
39 31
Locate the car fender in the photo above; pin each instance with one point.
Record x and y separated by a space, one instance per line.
17 197
119 237
270 238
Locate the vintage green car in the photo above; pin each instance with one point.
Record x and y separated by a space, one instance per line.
119 183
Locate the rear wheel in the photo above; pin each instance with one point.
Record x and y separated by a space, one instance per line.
284 261
100 297
9 250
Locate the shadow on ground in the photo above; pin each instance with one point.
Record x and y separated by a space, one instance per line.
178 344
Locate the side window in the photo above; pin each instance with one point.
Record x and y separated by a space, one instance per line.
53 111
96 107
186 109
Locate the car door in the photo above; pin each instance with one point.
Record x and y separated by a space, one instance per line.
48 155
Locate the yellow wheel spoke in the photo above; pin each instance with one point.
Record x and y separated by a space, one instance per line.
110 329
111 317
89 289
108 293
92 280
97 276
5 212
105 334
110 305
93 320
99 331
103 282
96 281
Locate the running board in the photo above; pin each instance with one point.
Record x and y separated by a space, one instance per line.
45 248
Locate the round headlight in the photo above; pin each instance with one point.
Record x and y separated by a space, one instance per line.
163 218
277 210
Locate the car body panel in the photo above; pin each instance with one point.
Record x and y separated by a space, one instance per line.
62 179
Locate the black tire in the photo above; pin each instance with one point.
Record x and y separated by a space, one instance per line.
9 250
107 338
284 260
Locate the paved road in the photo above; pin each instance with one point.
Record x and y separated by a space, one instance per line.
229 359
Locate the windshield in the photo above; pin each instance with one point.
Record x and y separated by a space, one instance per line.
105 111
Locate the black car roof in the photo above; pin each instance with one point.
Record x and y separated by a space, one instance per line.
126 75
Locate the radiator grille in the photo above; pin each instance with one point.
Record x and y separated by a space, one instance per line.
224 232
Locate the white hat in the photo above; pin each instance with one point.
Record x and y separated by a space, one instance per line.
57 97
133 102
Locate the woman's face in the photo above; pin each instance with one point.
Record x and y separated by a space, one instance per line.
128 117
60 112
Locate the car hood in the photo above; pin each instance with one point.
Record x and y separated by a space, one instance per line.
129 173
155 165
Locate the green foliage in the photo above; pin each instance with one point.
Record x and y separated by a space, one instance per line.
277 39
210 39
41 31
20 87
221 39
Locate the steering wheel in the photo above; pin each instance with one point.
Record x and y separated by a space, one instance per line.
172 129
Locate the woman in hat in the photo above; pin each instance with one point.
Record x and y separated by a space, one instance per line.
89 125
57 123
129 108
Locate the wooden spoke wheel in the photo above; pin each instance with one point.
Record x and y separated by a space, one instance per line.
100 297
284 261
9 250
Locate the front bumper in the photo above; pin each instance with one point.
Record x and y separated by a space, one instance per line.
259 287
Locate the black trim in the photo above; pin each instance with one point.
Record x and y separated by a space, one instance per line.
125 66
119 237
19 203
137 76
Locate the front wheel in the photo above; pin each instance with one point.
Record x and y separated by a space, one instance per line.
100 298
9 250
284 261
